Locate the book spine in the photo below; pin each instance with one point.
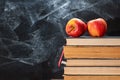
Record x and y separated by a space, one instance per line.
92 70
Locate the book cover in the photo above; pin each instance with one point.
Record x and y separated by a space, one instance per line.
93 62
68 77
106 41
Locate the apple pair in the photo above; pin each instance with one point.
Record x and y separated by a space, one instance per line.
75 27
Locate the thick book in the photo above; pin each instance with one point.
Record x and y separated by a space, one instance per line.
92 52
106 41
67 77
93 62
92 71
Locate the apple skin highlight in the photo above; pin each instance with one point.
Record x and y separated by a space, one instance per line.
97 27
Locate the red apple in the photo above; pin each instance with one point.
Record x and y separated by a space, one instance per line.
75 27
97 27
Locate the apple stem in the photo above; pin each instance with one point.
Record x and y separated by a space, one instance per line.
72 28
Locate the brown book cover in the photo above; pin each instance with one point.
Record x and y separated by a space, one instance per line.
92 70
92 51
93 62
68 77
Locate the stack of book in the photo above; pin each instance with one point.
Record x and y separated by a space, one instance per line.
92 59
